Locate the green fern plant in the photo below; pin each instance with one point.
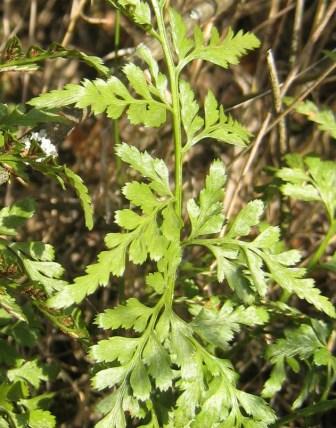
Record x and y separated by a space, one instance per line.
29 273
304 345
323 117
307 345
171 369
310 179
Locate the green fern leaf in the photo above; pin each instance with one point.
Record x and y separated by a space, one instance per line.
108 378
141 195
192 122
114 348
219 326
98 274
228 131
47 274
183 45
35 250
210 110
111 96
268 238
323 174
41 418
141 13
147 224
310 179
131 315
83 195
161 82
207 218
301 342
128 219
153 169
276 379
157 360
222 53
171 224
248 217
232 272
114 419
307 343
9 303
255 265
140 383
137 79
30 371
156 281
291 279
70 94
217 125
16 215
305 192
146 55
324 117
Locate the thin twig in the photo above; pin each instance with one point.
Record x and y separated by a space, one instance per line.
289 108
261 94
306 51
6 19
247 165
283 145
273 18
31 35
94 21
260 74
250 159
297 30
76 12
301 97
265 129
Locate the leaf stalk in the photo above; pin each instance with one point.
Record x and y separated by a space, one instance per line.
176 111
322 247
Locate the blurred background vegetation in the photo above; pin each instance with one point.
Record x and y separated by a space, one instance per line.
294 35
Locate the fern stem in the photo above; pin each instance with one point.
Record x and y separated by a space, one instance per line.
177 125
322 247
